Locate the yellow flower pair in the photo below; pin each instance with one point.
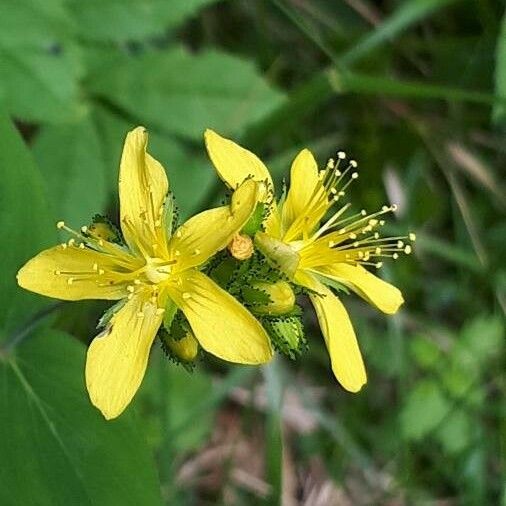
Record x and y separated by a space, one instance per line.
157 269
316 256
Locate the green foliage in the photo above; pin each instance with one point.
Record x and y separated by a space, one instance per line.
23 204
55 440
71 162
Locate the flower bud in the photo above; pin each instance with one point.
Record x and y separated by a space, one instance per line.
282 298
184 349
241 247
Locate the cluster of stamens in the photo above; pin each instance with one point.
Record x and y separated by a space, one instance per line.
130 272
356 236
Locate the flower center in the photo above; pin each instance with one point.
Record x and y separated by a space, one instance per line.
157 270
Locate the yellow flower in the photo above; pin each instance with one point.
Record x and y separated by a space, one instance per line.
316 255
154 269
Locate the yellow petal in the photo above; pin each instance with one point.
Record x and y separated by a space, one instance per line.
306 202
117 358
345 356
143 187
383 295
210 231
234 164
221 325
73 273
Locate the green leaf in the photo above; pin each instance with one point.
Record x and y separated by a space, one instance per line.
55 440
499 111
25 223
408 13
425 408
72 164
116 20
40 64
185 93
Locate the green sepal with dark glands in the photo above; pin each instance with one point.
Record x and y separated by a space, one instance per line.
171 213
286 333
254 224
106 317
115 233
178 330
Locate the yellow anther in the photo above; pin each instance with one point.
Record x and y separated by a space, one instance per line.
354 164
342 193
352 236
187 295
178 233
341 155
412 237
196 251
333 191
130 296
57 272
95 267
137 281
378 265
64 245
407 249
400 244
70 281
84 229
363 212
376 235
395 256
381 222
378 251
71 242
385 209
130 288
101 272
81 245
331 163
354 175
60 224
394 207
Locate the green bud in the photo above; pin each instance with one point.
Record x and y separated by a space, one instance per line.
281 299
286 333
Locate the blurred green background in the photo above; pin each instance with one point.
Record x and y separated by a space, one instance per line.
415 90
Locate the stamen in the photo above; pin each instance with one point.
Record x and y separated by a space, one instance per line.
187 295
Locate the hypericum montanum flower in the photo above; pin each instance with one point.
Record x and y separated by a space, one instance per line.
316 255
153 271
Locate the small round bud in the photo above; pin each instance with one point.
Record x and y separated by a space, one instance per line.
241 247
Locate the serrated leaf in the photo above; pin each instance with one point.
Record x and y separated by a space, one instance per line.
25 222
118 21
72 164
40 63
53 438
184 93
